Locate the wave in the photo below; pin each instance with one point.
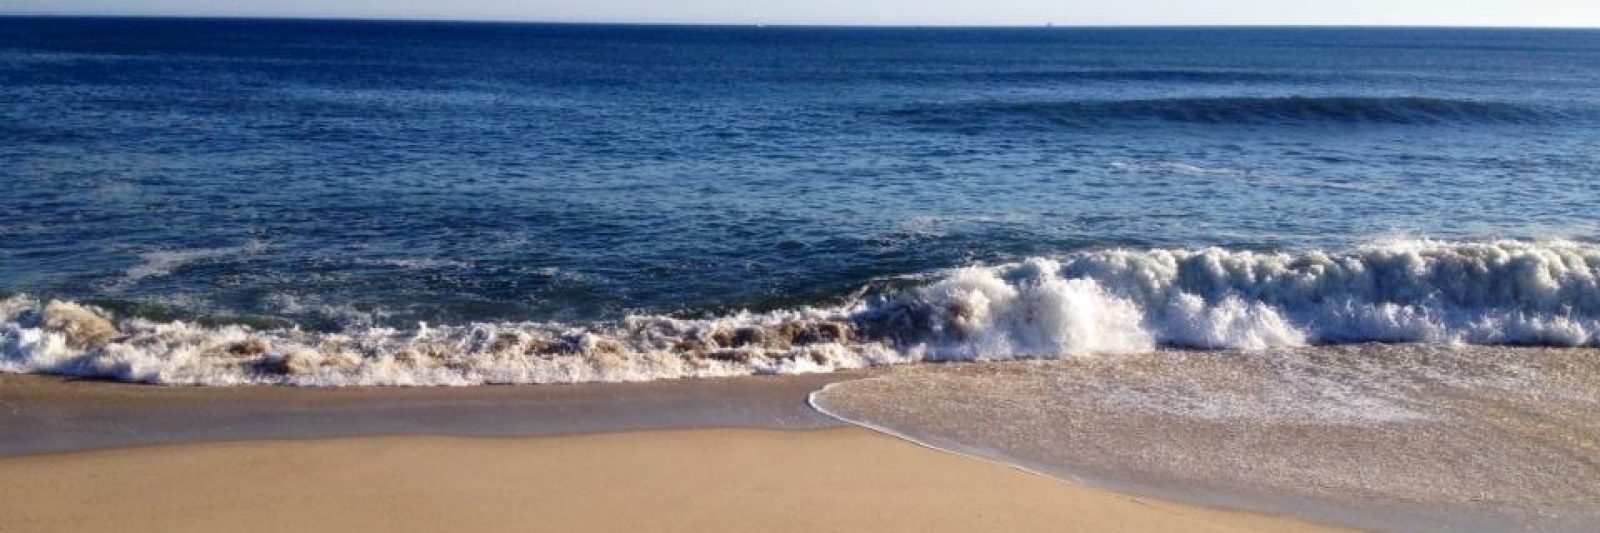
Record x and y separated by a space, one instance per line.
1110 301
1230 111
1193 76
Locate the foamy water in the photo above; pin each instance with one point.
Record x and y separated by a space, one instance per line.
1104 302
1385 437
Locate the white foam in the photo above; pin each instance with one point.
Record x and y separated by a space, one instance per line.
416 263
1508 292
1115 301
1028 309
637 349
164 262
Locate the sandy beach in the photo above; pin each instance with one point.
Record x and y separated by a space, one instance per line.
701 455
843 479
875 266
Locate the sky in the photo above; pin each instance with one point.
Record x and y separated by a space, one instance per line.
1564 13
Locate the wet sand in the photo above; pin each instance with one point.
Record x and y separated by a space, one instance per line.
742 454
1402 438
842 479
41 414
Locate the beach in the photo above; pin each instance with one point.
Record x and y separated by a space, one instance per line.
302 275
715 455
44 414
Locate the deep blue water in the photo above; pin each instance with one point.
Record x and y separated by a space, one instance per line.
318 171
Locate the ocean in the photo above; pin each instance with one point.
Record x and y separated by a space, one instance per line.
528 196
1210 263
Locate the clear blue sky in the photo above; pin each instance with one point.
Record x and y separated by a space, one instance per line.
912 12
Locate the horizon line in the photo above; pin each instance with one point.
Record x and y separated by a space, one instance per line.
842 25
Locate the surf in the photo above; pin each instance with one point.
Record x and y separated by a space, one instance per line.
1111 301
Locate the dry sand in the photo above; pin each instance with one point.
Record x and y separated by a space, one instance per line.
700 481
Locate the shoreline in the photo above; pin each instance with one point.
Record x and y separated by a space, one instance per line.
834 479
125 428
50 414
1319 513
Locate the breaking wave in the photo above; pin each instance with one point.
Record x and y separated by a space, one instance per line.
1231 110
1111 301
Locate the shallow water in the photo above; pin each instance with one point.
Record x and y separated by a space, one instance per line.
1388 437
43 414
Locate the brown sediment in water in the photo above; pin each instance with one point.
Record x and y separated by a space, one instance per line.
1405 438
84 329
701 481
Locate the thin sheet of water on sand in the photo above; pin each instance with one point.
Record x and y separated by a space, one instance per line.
1387 437
41 414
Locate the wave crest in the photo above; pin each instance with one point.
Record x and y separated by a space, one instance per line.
1507 292
1411 291
1230 111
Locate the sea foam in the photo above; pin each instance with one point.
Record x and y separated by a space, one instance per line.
1108 301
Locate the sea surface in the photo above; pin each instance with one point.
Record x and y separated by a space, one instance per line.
346 202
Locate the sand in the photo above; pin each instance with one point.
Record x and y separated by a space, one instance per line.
735 480
44 414
1397 438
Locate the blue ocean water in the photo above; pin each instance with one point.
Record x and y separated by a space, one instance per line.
324 176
